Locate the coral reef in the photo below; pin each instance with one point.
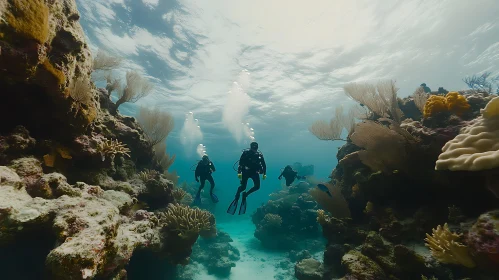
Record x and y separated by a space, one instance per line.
93 237
216 254
39 56
396 199
71 200
288 219
308 269
483 238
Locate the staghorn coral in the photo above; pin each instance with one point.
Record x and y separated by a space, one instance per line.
110 148
148 174
272 220
178 194
445 247
185 221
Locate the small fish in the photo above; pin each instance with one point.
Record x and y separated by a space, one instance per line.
362 105
395 171
323 188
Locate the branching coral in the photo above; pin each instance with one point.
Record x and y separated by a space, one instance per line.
178 194
110 148
452 102
147 175
445 247
272 220
186 221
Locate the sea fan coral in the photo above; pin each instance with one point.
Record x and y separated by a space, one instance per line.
334 202
445 247
186 221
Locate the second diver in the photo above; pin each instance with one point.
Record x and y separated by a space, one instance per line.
290 175
203 172
251 165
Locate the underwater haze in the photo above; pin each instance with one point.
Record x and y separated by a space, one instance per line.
378 124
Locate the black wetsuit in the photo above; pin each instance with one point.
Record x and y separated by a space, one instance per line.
251 164
203 171
290 175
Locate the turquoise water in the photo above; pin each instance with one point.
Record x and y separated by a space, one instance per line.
290 61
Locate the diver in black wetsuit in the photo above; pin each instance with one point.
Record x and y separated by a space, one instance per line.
290 175
203 171
251 165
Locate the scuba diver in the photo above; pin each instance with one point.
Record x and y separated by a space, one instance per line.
290 175
203 171
251 165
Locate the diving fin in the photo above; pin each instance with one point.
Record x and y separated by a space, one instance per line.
242 208
214 198
233 206
197 200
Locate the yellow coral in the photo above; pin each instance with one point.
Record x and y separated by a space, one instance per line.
355 190
322 217
456 103
30 19
64 152
435 104
453 102
369 207
445 247
57 74
49 160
